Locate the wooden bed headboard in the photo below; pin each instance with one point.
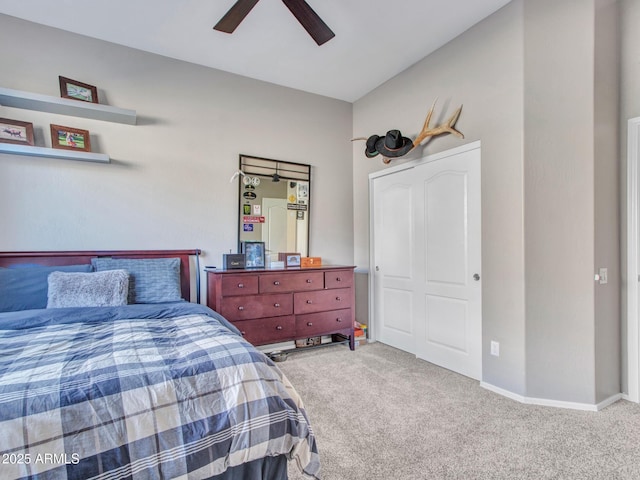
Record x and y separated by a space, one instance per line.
81 257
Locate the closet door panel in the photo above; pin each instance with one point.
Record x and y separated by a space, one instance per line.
449 283
394 260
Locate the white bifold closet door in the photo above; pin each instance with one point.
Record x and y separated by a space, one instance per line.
427 258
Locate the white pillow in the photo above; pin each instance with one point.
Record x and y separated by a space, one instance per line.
99 289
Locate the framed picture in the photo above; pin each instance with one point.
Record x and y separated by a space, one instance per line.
290 259
69 138
15 131
77 90
254 254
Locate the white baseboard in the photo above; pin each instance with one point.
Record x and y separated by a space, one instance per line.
552 403
503 392
611 400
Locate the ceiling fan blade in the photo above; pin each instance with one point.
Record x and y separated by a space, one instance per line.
310 20
235 15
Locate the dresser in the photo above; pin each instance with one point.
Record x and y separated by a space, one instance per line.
276 305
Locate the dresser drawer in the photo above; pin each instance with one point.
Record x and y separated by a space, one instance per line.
338 279
239 285
322 323
268 330
290 282
257 306
320 300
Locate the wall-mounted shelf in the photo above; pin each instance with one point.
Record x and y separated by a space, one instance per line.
30 151
63 106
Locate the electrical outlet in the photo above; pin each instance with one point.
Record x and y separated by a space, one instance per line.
603 276
495 348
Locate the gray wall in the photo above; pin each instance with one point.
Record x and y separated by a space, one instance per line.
571 186
168 183
607 192
559 199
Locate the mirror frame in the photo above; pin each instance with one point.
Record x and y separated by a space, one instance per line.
268 167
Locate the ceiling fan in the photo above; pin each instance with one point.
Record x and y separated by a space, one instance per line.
309 19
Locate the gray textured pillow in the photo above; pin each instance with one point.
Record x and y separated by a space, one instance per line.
152 280
99 289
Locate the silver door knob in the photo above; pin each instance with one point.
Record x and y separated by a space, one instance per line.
476 277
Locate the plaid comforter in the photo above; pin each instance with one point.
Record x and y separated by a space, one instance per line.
155 398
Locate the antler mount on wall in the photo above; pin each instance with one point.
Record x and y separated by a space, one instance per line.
394 145
309 19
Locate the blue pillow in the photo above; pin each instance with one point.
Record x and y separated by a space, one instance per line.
151 280
27 288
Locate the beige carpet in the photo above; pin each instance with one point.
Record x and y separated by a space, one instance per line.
379 413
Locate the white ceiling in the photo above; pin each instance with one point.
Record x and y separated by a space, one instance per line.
375 39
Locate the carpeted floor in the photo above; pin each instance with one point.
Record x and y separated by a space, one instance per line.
380 413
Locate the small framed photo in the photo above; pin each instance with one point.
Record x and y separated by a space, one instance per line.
77 90
15 131
69 138
290 259
254 254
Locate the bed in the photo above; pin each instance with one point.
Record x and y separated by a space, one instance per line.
116 374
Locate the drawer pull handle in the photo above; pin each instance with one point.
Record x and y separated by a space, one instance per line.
241 285
338 279
309 324
309 280
240 307
276 283
338 319
279 327
309 302
276 305
338 298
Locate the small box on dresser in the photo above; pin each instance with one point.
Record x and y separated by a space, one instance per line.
271 306
233 261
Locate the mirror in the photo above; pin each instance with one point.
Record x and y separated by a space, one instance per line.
274 205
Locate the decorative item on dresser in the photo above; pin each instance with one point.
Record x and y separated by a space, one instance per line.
289 259
270 306
233 260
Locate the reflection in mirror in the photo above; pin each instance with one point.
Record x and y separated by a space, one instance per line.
274 205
